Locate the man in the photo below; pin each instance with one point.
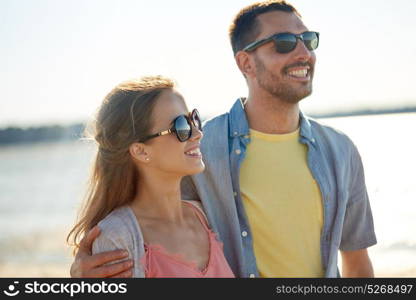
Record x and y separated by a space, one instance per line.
284 192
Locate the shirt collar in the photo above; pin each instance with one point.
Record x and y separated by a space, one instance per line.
239 124
238 120
306 128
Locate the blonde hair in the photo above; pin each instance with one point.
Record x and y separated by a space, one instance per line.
123 118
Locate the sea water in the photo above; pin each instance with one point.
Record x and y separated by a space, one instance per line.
41 187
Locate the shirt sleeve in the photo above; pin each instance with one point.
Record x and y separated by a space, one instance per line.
358 229
116 236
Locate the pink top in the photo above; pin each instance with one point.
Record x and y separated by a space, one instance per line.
159 263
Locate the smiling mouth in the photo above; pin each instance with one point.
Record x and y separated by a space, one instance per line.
194 152
299 73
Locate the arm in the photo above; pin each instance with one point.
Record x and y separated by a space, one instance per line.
356 263
358 227
88 265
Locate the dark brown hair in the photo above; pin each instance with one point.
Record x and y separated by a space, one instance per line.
245 27
123 118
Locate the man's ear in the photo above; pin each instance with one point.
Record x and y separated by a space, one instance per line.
245 63
140 152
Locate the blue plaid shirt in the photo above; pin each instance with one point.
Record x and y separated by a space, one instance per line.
334 162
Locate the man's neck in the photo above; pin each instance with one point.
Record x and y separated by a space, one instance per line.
269 115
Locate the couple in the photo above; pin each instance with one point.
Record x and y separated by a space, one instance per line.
283 192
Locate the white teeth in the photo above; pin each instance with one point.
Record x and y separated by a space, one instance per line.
299 73
194 152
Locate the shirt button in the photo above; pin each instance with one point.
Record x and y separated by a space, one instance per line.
235 194
244 233
238 151
235 132
252 276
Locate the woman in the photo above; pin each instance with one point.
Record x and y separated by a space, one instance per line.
147 141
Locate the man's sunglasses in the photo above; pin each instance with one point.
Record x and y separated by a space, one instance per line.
182 127
286 41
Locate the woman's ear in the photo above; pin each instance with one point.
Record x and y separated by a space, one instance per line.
140 152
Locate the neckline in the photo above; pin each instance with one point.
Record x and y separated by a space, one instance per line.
294 135
178 257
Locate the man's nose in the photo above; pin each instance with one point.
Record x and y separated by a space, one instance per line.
302 53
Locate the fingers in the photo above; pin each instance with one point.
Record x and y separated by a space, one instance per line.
92 266
125 274
85 244
106 257
115 270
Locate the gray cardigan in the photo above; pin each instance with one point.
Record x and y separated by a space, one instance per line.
120 230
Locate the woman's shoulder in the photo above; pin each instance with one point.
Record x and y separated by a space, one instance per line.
118 218
198 206
119 228
195 203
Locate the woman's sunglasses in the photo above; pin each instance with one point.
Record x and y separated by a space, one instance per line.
286 41
182 127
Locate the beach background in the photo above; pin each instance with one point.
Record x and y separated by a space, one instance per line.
60 58
41 186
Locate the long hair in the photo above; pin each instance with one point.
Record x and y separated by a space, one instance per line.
123 118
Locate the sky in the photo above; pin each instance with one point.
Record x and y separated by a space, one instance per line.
58 59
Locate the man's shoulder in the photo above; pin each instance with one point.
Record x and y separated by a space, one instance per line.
328 136
216 136
327 131
216 130
234 118
216 122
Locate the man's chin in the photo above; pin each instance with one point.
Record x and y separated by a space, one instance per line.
296 98
305 93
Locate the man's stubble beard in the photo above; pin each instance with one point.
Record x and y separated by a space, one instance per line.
278 88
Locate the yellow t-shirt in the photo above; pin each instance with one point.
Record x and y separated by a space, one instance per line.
283 204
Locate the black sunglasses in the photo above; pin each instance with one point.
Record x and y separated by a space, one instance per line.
182 126
286 41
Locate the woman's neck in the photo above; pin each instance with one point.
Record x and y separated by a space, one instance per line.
159 199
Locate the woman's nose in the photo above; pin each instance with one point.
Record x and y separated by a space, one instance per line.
196 133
